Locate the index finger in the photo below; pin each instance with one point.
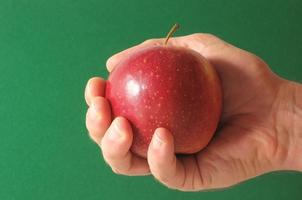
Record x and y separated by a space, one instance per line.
115 59
181 41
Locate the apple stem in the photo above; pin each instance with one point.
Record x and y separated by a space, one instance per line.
171 32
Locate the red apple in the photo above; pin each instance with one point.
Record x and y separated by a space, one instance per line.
171 87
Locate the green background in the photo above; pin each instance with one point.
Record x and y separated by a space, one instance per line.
49 49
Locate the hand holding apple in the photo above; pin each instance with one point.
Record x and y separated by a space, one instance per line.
245 144
170 87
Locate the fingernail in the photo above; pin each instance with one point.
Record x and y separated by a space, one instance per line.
157 141
115 133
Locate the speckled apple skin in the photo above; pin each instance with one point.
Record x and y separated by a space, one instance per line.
174 88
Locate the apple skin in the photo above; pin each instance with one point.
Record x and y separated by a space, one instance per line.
171 87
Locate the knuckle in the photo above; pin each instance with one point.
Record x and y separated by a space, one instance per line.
89 115
91 126
148 41
109 155
203 36
113 150
209 35
195 35
258 62
206 40
88 122
98 100
153 41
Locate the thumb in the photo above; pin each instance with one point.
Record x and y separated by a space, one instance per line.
162 161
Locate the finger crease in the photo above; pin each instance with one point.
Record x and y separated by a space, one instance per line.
198 170
185 174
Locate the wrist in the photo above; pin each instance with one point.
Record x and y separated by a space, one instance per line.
290 113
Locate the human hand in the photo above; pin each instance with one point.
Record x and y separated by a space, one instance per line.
250 139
